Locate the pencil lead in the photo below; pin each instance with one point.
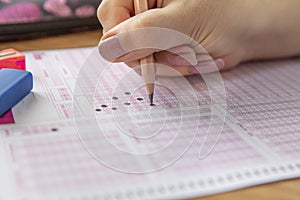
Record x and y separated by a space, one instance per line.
151 99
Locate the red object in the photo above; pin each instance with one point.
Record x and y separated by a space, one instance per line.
11 58
7 118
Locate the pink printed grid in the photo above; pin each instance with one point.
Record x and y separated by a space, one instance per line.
59 163
265 99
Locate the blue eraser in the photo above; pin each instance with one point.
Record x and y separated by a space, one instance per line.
14 86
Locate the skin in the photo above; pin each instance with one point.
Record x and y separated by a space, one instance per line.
233 30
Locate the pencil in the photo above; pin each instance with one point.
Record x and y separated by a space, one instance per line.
148 67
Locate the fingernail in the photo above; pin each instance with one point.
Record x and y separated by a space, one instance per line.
220 63
207 67
111 49
178 60
186 59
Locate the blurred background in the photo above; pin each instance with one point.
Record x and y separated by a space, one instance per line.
28 19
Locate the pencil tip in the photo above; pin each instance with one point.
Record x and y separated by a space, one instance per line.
151 98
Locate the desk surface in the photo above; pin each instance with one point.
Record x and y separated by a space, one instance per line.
287 190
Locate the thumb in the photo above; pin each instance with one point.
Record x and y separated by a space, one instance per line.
146 19
140 36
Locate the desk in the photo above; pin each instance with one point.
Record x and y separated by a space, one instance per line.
281 190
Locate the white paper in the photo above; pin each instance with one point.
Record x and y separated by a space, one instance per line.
54 152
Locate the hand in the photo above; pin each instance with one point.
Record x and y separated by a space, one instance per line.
230 31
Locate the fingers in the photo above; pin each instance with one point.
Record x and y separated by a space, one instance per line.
202 67
137 38
182 59
113 12
120 49
150 18
129 38
163 70
182 55
187 62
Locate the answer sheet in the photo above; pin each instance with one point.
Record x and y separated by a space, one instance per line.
87 131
